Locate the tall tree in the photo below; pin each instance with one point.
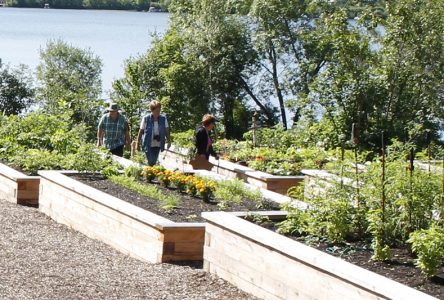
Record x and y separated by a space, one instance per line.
413 66
218 44
165 73
70 77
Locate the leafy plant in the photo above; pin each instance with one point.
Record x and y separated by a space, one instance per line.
168 202
232 191
134 172
428 244
111 170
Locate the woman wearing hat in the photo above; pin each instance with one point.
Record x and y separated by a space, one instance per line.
113 131
202 136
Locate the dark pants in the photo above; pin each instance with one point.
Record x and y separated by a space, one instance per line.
118 151
152 155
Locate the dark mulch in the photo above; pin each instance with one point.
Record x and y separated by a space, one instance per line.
400 268
188 210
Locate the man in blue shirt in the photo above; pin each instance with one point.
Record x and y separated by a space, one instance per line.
113 131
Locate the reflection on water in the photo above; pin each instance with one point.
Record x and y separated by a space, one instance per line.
112 35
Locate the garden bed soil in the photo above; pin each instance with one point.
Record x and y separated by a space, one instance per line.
400 268
189 209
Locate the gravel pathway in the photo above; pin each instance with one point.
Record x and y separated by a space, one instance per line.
41 259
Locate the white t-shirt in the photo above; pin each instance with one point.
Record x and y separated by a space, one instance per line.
154 143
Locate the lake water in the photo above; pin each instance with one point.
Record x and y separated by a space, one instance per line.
114 36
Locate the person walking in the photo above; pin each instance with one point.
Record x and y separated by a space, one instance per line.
153 132
203 141
113 131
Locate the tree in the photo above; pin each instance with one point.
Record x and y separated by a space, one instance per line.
70 77
217 43
16 91
165 73
275 24
130 94
412 68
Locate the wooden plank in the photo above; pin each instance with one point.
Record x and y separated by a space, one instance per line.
241 283
233 230
264 269
184 234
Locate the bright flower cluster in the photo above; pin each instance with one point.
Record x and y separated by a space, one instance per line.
150 173
192 185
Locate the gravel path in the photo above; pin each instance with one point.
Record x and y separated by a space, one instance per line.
41 259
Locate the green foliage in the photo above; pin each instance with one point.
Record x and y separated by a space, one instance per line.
16 91
410 197
165 73
44 141
296 222
428 244
389 211
232 191
134 171
167 201
111 170
257 218
184 141
79 4
69 77
32 160
86 160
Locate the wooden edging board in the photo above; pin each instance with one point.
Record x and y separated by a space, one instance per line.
128 228
17 187
271 266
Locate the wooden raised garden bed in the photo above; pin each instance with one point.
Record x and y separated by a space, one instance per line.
173 158
271 266
128 228
17 187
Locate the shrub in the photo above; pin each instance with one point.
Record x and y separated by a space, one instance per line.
428 244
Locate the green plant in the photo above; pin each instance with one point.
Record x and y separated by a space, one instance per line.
111 170
167 202
232 191
257 218
32 160
428 244
134 171
185 140
87 160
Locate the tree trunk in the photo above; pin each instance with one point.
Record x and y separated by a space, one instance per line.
277 88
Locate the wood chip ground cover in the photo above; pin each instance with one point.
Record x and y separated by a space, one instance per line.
41 259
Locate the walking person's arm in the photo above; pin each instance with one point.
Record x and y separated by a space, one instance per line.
100 134
168 137
127 138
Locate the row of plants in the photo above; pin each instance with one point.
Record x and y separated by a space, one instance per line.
279 152
42 141
390 205
273 152
224 193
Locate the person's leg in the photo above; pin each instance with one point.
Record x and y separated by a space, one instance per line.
152 155
118 151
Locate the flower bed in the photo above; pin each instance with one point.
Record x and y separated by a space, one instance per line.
17 187
174 158
131 229
282 268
